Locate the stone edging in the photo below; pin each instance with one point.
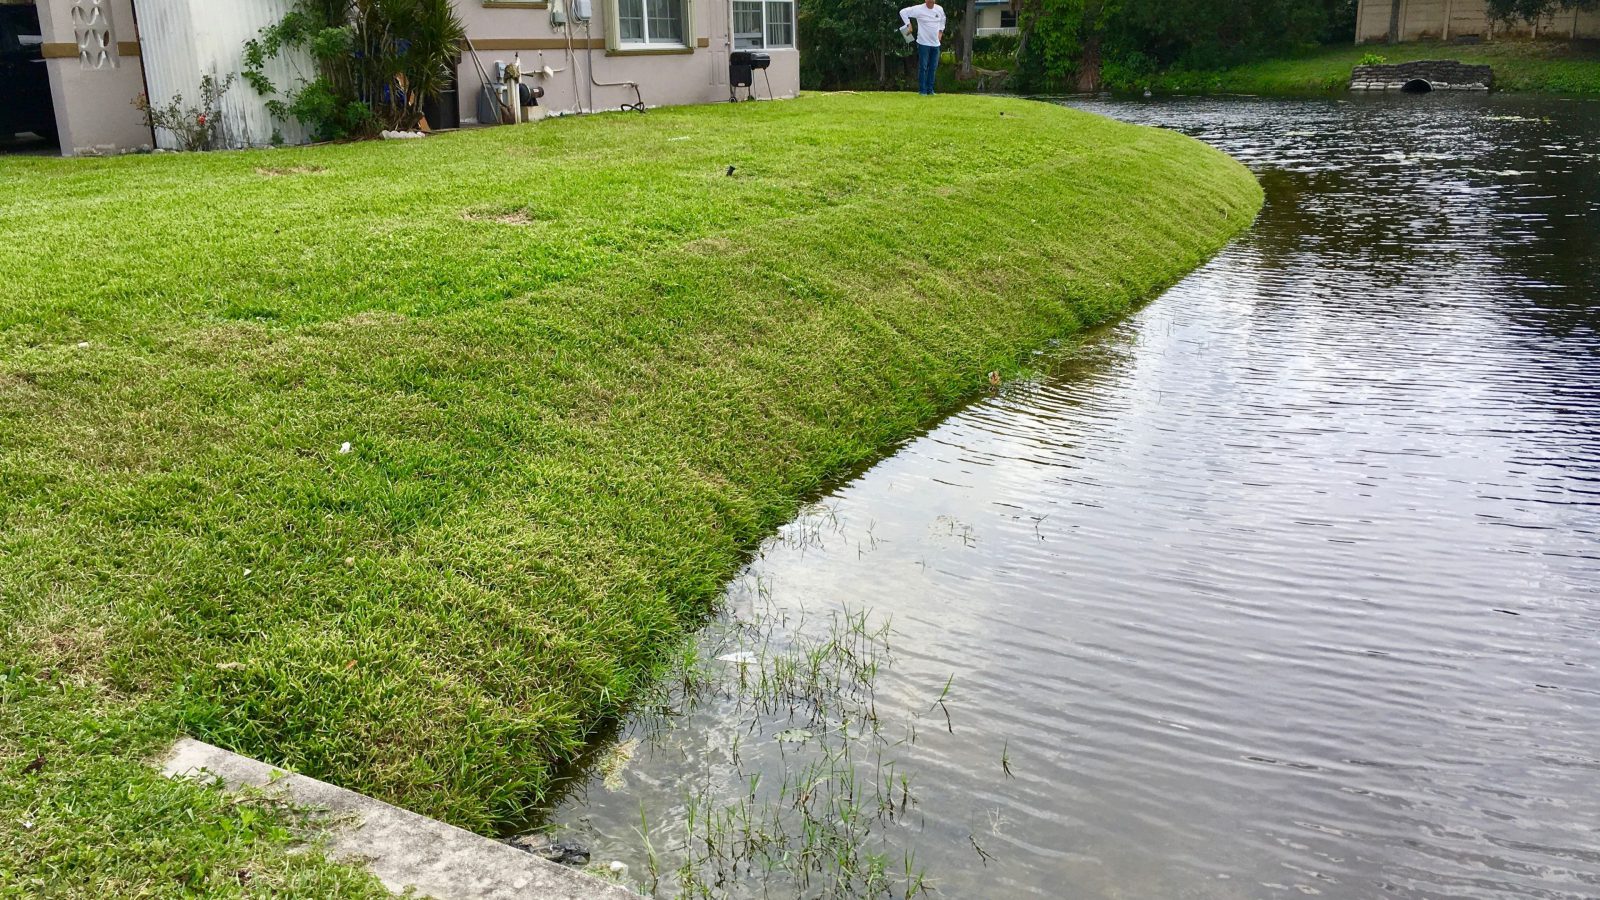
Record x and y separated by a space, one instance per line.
404 850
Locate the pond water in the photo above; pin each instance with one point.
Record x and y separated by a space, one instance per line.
1288 584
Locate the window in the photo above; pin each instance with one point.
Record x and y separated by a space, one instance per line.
780 23
651 22
749 30
763 24
1008 18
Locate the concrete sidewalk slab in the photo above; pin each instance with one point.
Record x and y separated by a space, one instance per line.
404 850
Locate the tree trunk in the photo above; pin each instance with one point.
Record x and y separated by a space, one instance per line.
1089 61
1394 21
1027 15
969 30
1089 65
1028 12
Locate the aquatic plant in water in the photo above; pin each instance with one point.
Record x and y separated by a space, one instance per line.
807 797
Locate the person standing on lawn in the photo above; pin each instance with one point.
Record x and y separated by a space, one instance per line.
930 34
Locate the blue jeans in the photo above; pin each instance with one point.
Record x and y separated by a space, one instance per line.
927 64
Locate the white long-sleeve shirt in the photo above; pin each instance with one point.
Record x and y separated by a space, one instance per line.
930 22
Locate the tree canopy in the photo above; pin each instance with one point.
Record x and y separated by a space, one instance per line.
1074 39
853 41
1528 10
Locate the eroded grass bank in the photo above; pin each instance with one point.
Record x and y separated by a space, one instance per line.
580 369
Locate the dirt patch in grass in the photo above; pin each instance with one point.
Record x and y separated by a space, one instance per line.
281 171
18 381
709 246
517 216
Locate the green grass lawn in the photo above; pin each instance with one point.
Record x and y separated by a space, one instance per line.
1549 67
581 372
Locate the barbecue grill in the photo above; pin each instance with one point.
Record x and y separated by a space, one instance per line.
742 66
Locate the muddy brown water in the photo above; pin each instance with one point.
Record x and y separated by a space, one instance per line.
1288 584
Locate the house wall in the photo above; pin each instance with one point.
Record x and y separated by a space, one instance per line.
93 99
93 88
503 29
1450 19
989 20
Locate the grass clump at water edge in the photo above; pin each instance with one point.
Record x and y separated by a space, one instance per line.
810 794
580 369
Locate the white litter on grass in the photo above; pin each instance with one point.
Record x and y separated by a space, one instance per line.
247 572
344 447
618 867
402 135
742 658
82 344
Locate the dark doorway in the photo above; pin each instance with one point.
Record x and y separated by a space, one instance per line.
26 110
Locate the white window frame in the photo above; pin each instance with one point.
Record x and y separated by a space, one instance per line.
741 39
616 43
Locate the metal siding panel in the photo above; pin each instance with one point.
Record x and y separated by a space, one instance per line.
185 39
169 64
224 28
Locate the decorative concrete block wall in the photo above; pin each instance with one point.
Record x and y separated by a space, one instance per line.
91 51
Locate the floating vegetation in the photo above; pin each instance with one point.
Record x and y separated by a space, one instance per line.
617 760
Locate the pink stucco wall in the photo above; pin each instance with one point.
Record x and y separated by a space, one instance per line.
698 76
95 115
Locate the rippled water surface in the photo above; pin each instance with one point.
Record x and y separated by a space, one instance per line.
1288 584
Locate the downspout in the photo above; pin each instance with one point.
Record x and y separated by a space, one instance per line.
1447 13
